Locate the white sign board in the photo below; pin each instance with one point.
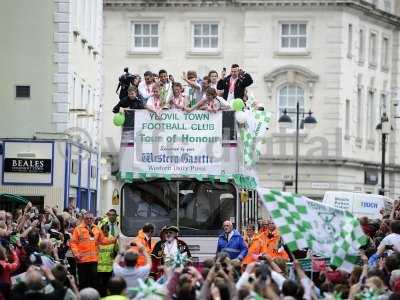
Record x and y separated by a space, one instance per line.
28 162
178 143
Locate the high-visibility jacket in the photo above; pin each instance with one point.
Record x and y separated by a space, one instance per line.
254 251
141 239
106 258
270 245
85 247
249 240
265 244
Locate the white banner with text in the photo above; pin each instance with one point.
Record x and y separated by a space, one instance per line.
174 142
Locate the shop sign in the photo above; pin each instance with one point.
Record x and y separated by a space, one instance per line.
27 165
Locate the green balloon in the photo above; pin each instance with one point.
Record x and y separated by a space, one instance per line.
237 104
119 119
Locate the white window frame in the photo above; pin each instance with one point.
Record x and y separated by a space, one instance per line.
385 53
76 16
360 110
205 50
294 50
387 6
361 45
145 49
350 31
371 115
373 53
347 125
292 109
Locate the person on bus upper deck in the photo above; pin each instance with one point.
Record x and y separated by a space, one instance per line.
166 86
205 84
234 85
155 103
213 75
145 87
211 102
192 88
131 101
177 100
232 242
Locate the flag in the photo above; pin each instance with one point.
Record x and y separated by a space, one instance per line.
304 223
253 134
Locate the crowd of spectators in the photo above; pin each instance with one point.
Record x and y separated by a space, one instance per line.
38 262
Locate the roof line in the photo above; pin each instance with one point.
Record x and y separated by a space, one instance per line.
362 5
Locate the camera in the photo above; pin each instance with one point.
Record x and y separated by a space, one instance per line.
217 267
263 271
389 247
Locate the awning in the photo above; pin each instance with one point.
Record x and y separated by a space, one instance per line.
13 198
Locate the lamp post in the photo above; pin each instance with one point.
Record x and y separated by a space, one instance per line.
384 128
286 121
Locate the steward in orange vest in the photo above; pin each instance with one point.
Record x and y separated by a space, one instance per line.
143 239
266 243
84 243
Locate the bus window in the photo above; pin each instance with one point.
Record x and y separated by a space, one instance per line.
203 207
149 202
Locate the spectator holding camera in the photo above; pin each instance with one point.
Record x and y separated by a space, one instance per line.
392 240
235 84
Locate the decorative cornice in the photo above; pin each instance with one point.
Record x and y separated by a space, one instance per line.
304 72
362 5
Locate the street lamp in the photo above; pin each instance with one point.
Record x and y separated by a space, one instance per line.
384 128
285 121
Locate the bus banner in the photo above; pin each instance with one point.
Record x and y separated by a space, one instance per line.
178 143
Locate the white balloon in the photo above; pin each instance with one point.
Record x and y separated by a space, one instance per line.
240 117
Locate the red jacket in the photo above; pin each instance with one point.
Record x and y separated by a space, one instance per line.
8 268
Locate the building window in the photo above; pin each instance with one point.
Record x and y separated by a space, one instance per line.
205 36
361 46
293 36
385 53
350 41
371 115
23 91
82 96
359 113
383 104
288 97
372 49
387 5
347 121
146 36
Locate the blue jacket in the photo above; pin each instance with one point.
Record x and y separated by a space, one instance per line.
236 247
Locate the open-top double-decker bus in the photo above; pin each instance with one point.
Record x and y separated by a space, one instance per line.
184 169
